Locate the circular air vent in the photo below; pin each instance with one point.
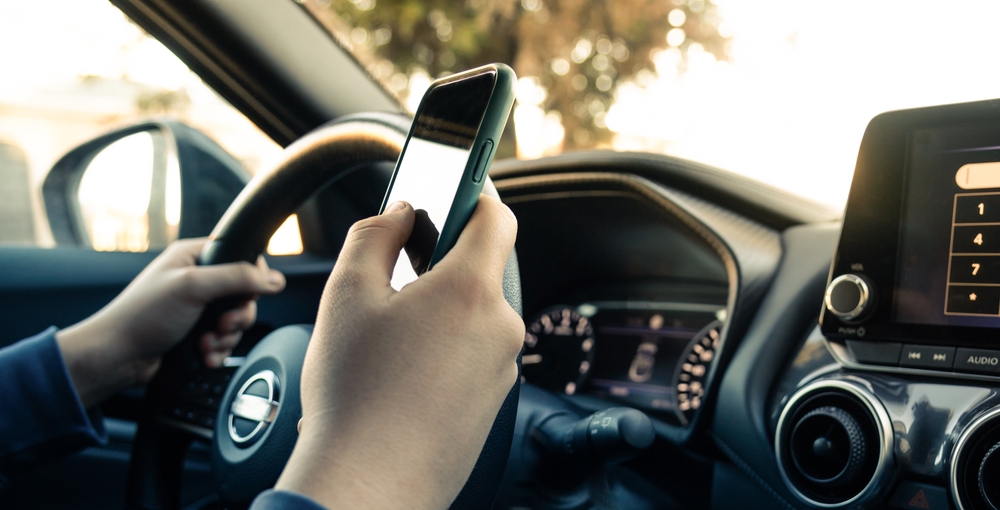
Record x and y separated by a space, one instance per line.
834 444
975 464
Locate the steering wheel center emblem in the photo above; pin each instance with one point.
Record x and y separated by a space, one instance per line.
254 408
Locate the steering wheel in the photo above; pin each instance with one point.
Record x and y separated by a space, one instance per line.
250 416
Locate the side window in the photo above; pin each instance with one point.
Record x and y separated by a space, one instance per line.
17 217
75 69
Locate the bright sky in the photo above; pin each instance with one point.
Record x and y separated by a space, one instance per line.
47 108
53 43
790 108
49 46
804 80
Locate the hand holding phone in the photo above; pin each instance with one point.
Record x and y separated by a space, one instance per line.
444 162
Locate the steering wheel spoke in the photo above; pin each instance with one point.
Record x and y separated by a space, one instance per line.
194 407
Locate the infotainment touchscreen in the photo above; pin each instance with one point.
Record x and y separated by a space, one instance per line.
948 267
915 278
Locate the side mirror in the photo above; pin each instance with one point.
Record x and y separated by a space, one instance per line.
140 187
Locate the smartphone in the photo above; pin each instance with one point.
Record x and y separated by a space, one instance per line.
445 160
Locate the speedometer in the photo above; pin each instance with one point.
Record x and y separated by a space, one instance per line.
692 371
558 350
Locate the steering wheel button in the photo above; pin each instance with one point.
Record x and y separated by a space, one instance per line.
209 401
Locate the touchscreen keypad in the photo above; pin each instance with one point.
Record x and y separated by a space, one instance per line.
974 259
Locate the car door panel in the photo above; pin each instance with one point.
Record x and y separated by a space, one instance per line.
42 287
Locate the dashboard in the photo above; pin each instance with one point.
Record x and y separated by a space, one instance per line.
631 291
628 293
787 357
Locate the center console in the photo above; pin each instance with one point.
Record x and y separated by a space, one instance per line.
915 282
912 307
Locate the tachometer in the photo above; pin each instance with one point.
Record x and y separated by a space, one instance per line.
692 371
558 350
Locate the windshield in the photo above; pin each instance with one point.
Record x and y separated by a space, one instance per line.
778 91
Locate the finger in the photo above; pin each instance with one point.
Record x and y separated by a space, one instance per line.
261 263
372 247
184 252
207 346
486 242
215 348
227 343
214 342
216 359
207 343
206 283
237 319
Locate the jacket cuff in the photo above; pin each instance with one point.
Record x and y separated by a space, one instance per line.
41 415
284 500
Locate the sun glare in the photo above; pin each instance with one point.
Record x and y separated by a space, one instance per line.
791 103
787 107
286 240
114 195
803 81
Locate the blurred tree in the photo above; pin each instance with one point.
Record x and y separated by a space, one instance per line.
163 101
575 50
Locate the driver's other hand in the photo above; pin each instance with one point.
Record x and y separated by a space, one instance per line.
122 343
400 389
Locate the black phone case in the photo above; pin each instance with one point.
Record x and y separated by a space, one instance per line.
480 154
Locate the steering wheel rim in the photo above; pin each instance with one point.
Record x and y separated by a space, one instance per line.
309 164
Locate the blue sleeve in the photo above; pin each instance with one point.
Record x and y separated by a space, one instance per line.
284 500
41 416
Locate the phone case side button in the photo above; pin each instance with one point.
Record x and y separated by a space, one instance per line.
482 163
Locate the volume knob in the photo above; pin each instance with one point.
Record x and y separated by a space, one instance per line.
848 297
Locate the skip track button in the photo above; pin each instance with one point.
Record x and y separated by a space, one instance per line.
982 361
926 356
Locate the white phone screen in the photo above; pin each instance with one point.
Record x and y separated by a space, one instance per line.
431 167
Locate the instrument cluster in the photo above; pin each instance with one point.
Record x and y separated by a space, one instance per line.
653 356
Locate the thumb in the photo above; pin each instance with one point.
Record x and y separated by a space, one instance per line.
373 245
206 283
485 244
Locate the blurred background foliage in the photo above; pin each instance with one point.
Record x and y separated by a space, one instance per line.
569 55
